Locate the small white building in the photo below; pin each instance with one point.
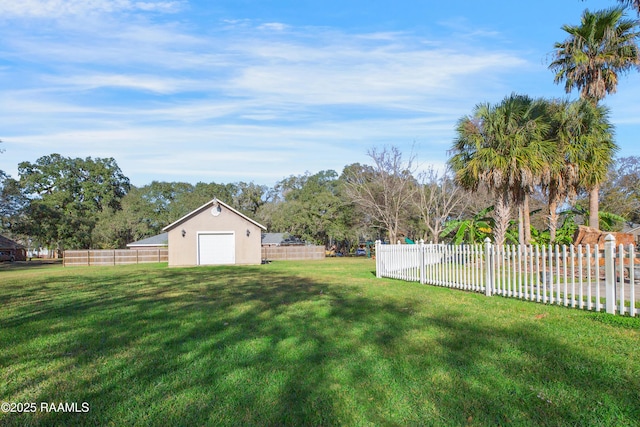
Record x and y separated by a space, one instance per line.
214 234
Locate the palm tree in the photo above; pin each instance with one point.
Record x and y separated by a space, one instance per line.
584 151
504 148
590 59
560 179
595 149
635 4
596 51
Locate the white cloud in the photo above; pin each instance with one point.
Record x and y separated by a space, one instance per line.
370 76
273 26
243 151
240 102
151 83
300 69
62 8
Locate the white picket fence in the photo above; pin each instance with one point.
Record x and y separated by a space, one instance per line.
585 277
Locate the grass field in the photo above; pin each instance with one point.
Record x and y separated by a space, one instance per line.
301 343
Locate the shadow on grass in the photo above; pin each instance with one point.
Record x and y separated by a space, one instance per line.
30 265
255 346
524 375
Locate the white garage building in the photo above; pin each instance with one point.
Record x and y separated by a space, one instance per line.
214 234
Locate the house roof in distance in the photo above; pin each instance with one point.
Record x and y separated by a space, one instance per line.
281 239
161 239
272 238
631 228
9 244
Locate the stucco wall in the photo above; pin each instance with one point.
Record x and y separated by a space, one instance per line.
183 251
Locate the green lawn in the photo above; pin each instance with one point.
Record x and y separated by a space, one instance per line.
302 343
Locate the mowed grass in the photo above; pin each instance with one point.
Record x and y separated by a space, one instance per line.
302 343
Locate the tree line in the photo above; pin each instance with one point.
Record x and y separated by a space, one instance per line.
72 203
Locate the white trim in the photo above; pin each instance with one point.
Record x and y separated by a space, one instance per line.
205 206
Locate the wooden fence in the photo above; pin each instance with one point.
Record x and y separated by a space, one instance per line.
115 256
580 277
281 253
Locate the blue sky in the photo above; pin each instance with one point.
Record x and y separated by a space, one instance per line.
239 90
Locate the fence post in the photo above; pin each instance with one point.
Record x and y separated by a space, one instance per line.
632 281
422 263
610 274
488 285
378 273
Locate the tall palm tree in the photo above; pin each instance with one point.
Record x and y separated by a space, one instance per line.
584 151
603 46
504 148
560 178
596 149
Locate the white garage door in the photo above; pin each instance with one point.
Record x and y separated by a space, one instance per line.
216 248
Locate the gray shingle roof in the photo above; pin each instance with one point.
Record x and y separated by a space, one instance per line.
8 243
630 228
272 238
157 240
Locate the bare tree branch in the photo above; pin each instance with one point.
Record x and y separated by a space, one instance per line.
439 201
384 191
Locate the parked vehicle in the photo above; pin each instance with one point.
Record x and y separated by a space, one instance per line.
7 256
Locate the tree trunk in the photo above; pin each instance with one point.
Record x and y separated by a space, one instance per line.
392 236
524 221
527 221
594 207
435 234
521 237
502 214
553 218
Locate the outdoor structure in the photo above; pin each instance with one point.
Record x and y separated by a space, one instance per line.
154 242
292 252
214 234
592 236
587 277
11 251
101 257
283 247
272 239
634 230
280 239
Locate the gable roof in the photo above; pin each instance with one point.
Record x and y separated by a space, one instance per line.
631 228
8 243
161 239
206 206
281 239
272 238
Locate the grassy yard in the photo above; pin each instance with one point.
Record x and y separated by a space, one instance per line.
295 343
